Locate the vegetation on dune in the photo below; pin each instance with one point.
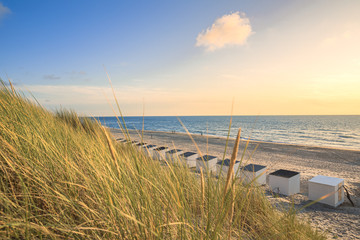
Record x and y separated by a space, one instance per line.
62 177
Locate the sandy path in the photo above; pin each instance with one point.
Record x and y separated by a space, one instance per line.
342 222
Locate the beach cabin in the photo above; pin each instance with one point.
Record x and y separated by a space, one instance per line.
148 149
222 167
206 163
189 158
159 152
320 186
253 173
285 182
140 145
173 154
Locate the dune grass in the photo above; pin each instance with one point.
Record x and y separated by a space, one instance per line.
62 177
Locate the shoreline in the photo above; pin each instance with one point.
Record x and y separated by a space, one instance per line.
342 222
242 139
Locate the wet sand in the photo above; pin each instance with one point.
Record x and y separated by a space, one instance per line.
342 222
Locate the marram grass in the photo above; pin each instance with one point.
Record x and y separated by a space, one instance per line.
65 178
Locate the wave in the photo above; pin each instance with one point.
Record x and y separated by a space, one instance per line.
314 130
344 136
328 130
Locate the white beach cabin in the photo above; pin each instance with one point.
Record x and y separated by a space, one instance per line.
159 153
148 149
189 158
320 186
133 142
206 163
222 167
285 182
140 145
173 154
253 173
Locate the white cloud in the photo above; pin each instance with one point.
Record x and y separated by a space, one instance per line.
3 11
232 29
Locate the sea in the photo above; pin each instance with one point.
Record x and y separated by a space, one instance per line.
325 131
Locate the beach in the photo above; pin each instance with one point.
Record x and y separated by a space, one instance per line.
342 222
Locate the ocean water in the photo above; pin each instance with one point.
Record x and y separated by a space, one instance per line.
328 131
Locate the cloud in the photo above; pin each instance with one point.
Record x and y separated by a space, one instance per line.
4 11
232 29
51 77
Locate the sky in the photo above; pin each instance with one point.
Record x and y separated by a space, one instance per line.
168 58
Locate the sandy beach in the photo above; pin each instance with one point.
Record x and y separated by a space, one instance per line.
342 222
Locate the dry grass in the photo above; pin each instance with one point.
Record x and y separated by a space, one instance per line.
64 177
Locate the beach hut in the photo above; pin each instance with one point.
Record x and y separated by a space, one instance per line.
320 186
207 163
173 154
189 158
140 145
222 167
285 182
148 149
253 173
133 142
159 152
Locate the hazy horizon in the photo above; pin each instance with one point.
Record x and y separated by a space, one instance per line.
226 115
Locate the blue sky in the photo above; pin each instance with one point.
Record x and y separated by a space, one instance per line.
296 57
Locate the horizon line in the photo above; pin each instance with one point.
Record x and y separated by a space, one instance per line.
245 115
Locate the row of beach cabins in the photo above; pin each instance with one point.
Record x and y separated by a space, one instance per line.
324 189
